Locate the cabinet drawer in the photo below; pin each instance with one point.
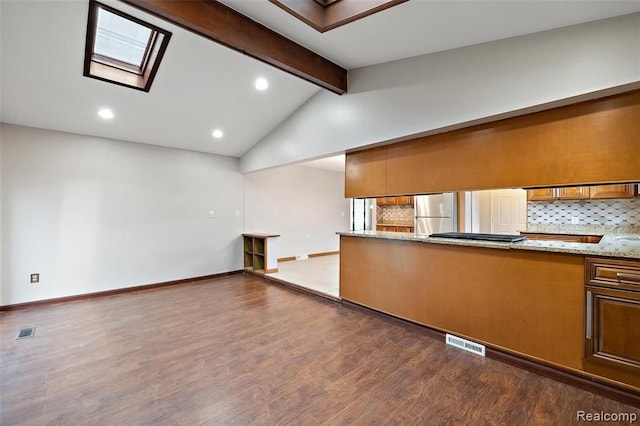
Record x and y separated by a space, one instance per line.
613 273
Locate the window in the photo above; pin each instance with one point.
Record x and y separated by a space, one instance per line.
122 49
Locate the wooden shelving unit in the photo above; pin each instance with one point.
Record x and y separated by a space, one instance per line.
260 253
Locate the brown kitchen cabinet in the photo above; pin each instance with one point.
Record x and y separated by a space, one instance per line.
405 200
597 192
572 193
384 201
401 200
541 194
563 193
394 228
612 337
613 191
404 228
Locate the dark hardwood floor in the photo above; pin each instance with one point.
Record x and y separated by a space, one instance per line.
239 350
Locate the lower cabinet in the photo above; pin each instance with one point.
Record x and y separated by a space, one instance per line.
612 331
394 228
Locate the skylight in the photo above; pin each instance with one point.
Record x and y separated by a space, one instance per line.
122 49
325 15
122 40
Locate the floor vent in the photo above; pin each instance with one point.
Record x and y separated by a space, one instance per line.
26 332
464 344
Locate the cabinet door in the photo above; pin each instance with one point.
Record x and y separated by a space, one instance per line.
390 200
572 193
380 201
542 194
613 191
612 344
405 200
404 229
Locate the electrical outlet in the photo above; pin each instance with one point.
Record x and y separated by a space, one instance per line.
35 278
575 220
212 213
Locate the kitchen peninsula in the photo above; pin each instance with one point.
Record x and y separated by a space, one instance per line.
527 298
573 307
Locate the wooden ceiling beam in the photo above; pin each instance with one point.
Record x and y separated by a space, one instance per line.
224 25
325 15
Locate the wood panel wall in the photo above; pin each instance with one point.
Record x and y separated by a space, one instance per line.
531 303
590 142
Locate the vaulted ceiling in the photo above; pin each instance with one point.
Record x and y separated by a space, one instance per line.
201 85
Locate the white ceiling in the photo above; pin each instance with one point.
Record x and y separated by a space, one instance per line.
201 85
418 27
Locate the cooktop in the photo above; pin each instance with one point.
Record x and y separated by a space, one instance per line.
484 237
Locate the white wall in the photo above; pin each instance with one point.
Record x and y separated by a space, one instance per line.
92 214
417 95
304 205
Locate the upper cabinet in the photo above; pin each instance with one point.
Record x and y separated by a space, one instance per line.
400 201
542 194
573 193
405 200
366 173
558 146
613 191
582 192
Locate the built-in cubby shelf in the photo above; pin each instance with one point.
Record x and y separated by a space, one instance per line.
260 253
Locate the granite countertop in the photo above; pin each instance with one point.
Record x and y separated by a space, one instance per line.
611 245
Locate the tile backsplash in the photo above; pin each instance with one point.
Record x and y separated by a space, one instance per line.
588 212
391 213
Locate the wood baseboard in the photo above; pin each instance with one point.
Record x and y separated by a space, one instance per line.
324 253
64 299
301 289
589 384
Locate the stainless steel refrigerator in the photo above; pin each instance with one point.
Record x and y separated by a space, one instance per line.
436 213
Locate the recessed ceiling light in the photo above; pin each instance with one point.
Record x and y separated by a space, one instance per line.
106 113
217 133
262 83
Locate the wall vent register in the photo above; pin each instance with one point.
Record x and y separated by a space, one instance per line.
25 333
464 344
